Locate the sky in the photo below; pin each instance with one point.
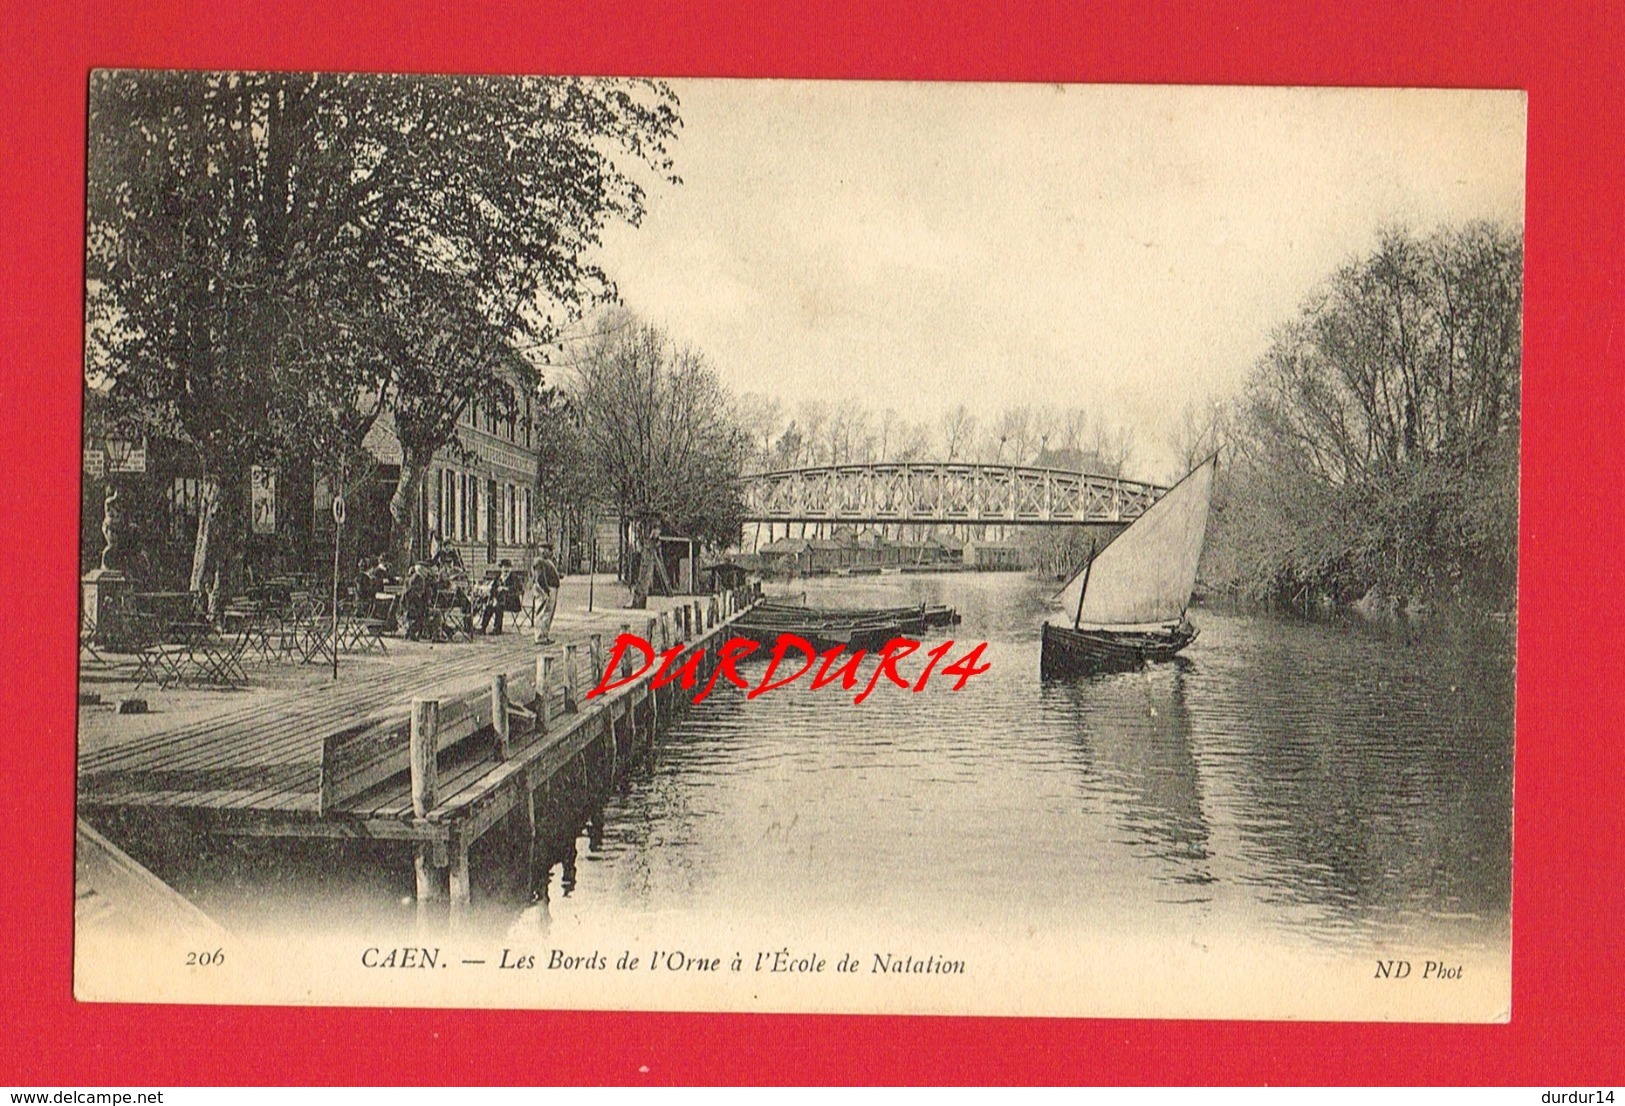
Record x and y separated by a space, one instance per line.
1126 249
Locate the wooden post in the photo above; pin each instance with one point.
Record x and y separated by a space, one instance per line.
429 864
429 860
595 655
544 692
424 752
461 892
697 614
572 680
626 658
654 722
500 724
711 615
665 630
650 632
530 821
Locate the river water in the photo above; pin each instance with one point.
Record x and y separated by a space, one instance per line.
1288 800
1333 785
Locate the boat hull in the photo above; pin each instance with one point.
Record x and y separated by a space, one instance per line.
1067 652
822 638
827 628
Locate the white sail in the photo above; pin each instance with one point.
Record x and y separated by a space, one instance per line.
1145 576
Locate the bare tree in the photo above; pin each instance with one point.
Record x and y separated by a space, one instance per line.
762 417
660 435
958 432
812 419
1199 432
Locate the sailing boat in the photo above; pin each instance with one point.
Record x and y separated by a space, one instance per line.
1128 602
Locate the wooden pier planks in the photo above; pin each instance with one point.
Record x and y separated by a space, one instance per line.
272 752
229 772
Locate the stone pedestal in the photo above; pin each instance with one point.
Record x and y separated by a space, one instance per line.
101 592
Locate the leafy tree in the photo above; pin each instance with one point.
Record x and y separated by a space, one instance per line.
221 282
277 259
506 226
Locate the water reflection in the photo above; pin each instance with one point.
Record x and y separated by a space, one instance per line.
1328 784
1372 775
1135 728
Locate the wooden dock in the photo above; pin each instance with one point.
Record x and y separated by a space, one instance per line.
112 893
356 762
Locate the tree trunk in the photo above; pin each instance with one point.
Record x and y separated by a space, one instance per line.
403 505
218 548
648 550
208 504
646 575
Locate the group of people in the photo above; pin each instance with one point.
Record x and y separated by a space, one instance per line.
443 576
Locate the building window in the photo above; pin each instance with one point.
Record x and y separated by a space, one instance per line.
524 520
183 496
448 506
460 483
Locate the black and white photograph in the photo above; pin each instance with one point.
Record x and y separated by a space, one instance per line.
785 545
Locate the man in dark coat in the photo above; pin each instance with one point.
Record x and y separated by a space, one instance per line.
545 600
505 588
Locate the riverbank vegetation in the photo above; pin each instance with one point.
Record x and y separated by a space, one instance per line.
1373 456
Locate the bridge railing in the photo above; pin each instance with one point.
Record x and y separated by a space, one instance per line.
944 492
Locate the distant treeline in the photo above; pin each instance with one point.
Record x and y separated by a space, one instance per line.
1374 451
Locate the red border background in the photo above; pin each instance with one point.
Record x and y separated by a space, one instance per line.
1569 896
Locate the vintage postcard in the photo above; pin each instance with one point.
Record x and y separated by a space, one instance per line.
799 546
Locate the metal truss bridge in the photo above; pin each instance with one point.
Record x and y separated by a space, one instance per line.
929 491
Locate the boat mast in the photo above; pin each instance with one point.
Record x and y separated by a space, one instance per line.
1077 619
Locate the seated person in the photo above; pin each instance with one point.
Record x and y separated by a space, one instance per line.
415 601
380 573
505 587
